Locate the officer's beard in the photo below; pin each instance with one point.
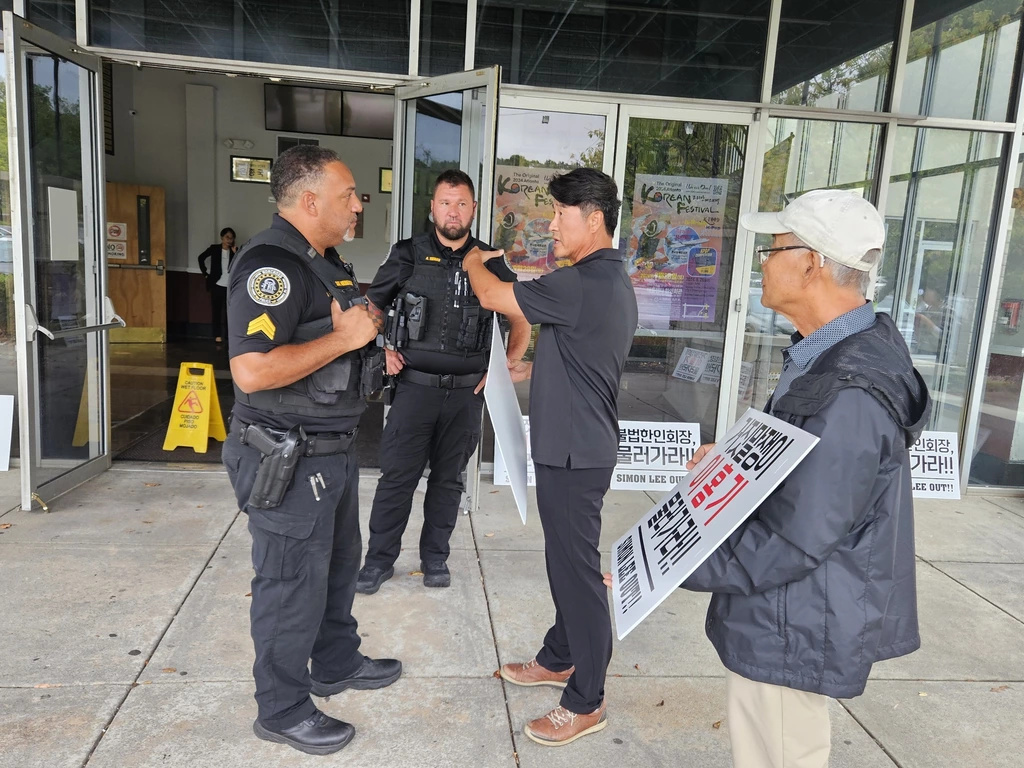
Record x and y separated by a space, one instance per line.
454 231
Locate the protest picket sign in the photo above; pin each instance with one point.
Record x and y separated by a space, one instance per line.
668 543
196 416
934 468
652 455
506 418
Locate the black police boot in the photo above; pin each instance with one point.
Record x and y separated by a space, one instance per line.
435 573
371 577
317 735
374 673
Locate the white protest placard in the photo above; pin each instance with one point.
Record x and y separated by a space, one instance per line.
652 455
507 419
934 466
668 543
6 428
691 364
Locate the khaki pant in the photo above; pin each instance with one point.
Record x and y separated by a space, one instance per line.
775 727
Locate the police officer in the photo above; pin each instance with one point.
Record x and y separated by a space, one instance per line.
438 342
298 336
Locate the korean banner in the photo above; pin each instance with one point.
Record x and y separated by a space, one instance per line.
675 247
652 455
522 213
934 466
668 543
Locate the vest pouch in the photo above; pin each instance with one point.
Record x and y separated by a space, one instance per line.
415 316
469 328
326 385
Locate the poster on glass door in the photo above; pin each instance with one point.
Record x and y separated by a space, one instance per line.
522 215
675 247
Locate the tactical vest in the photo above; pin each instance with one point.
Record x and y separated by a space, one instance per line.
338 389
455 322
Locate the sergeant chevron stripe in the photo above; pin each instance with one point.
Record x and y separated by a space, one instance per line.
262 324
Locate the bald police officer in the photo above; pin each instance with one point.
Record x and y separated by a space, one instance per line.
298 336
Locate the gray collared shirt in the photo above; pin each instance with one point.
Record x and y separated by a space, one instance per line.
797 359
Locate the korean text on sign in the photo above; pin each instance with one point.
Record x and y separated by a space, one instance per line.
668 543
934 468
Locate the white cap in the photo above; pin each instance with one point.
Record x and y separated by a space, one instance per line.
839 224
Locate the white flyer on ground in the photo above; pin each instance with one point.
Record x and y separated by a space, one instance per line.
652 455
668 543
934 466
507 419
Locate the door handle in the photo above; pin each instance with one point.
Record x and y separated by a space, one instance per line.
113 320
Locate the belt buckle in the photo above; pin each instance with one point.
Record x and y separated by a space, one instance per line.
447 380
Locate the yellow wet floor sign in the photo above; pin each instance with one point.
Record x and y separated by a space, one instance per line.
196 415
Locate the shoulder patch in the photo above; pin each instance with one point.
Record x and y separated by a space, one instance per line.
262 324
268 286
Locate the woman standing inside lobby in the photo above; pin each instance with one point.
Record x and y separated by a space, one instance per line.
216 275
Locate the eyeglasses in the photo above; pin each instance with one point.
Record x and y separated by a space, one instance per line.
763 253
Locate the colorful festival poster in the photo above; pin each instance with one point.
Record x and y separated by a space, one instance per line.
522 214
675 247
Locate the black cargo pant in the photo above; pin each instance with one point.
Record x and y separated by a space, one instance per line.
569 502
435 423
306 557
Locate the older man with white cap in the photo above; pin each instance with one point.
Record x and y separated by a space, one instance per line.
818 583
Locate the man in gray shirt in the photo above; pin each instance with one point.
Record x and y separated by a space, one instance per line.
588 315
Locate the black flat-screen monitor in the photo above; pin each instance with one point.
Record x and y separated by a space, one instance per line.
368 115
300 109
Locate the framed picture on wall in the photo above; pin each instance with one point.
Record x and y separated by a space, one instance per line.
385 180
255 170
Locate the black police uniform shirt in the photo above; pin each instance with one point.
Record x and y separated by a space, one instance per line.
587 314
390 281
271 293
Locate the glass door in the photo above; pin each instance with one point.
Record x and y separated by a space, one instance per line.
683 177
441 123
61 311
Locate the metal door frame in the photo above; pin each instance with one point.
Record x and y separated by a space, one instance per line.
19 34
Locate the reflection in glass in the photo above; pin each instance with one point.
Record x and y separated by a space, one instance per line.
442 37
438 147
939 214
365 36
678 235
835 54
696 48
8 337
57 16
801 155
999 452
960 64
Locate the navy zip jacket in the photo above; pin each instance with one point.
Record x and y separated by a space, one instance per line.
819 582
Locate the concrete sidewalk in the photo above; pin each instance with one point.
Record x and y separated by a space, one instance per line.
124 644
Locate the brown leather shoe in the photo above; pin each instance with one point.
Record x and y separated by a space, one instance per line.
560 726
532 673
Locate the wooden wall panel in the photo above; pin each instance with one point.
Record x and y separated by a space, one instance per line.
139 295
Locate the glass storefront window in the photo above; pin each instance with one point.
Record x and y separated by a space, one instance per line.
960 63
363 37
9 481
57 16
835 54
442 37
693 48
999 451
939 211
681 198
801 155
